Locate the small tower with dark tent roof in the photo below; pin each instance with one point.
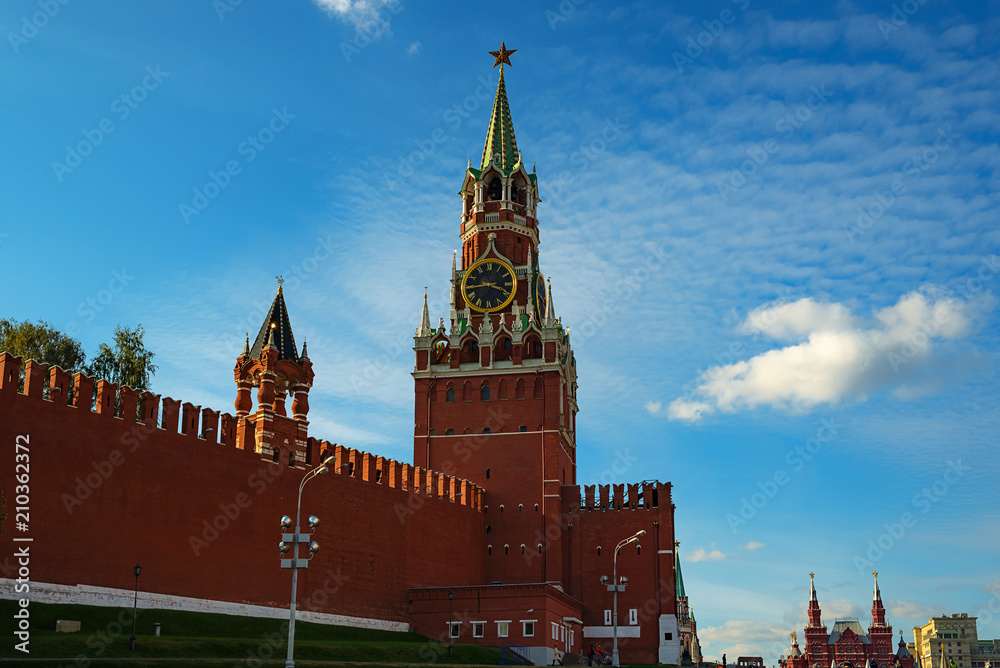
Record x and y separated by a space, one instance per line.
274 367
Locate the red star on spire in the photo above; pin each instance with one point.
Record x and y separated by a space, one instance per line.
502 56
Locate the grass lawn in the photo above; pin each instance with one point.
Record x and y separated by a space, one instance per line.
236 641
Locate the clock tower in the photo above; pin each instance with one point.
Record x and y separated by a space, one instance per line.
496 385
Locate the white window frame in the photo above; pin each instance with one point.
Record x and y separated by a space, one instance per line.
633 616
454 629
607 618
503 631
482 629
524 627
562 633
555 630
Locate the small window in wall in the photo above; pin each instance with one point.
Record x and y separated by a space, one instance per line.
486 430
524 427
450 396
478 629
520 507
454 628
598 550
539 548
502 629
555 630
529 629
668 636
638 550
449 432
487 474
607 618
501 507
536 507
633 616
484 393
506 549
489 529
489 550
433 432
562 633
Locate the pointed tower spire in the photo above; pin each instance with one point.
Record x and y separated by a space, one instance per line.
281 336
550 310
500 139
678 576
815 616
305 355
246 347
878 610
424 329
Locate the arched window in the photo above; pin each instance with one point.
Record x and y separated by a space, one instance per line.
519 389
523 427
450 395
598 550
489 529
484 392
489 550
440 352
638 550
502 389
487 474
520 507
522 548
501 507
503 349
467 391
536 507
539 548
275 455
532 347
470 351
506 549
539 387
449 432
495 189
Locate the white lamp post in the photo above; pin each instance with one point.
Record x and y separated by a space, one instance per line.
616 587
295 563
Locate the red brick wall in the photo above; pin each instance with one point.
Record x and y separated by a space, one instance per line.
152 492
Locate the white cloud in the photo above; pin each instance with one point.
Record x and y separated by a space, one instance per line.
911 610
754 545
362 14
413 49
744 638
833 355
701 554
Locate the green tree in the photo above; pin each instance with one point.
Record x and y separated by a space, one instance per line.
128 363
40 342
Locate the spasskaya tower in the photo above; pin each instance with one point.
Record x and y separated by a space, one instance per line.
496 384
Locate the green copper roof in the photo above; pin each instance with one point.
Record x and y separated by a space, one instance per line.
677 569
500 136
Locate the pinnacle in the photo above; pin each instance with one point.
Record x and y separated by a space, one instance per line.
276 329
500 139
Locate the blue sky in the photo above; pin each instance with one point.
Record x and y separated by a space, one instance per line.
771 227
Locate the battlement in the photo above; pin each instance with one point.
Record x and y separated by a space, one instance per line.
53 386
646 495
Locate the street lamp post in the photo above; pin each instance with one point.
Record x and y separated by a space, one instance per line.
617 586
295 563
135 600
451 597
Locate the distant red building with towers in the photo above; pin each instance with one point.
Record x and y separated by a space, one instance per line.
486 537
847 645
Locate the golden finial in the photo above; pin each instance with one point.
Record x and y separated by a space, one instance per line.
811 575
677 543
280 280
875 575
794 637
502 56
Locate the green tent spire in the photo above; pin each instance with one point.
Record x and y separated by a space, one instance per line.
677 571
500 135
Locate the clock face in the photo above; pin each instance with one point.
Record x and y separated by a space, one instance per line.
541 297
489 285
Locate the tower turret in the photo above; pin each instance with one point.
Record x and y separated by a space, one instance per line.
274 367
815 616
878 610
